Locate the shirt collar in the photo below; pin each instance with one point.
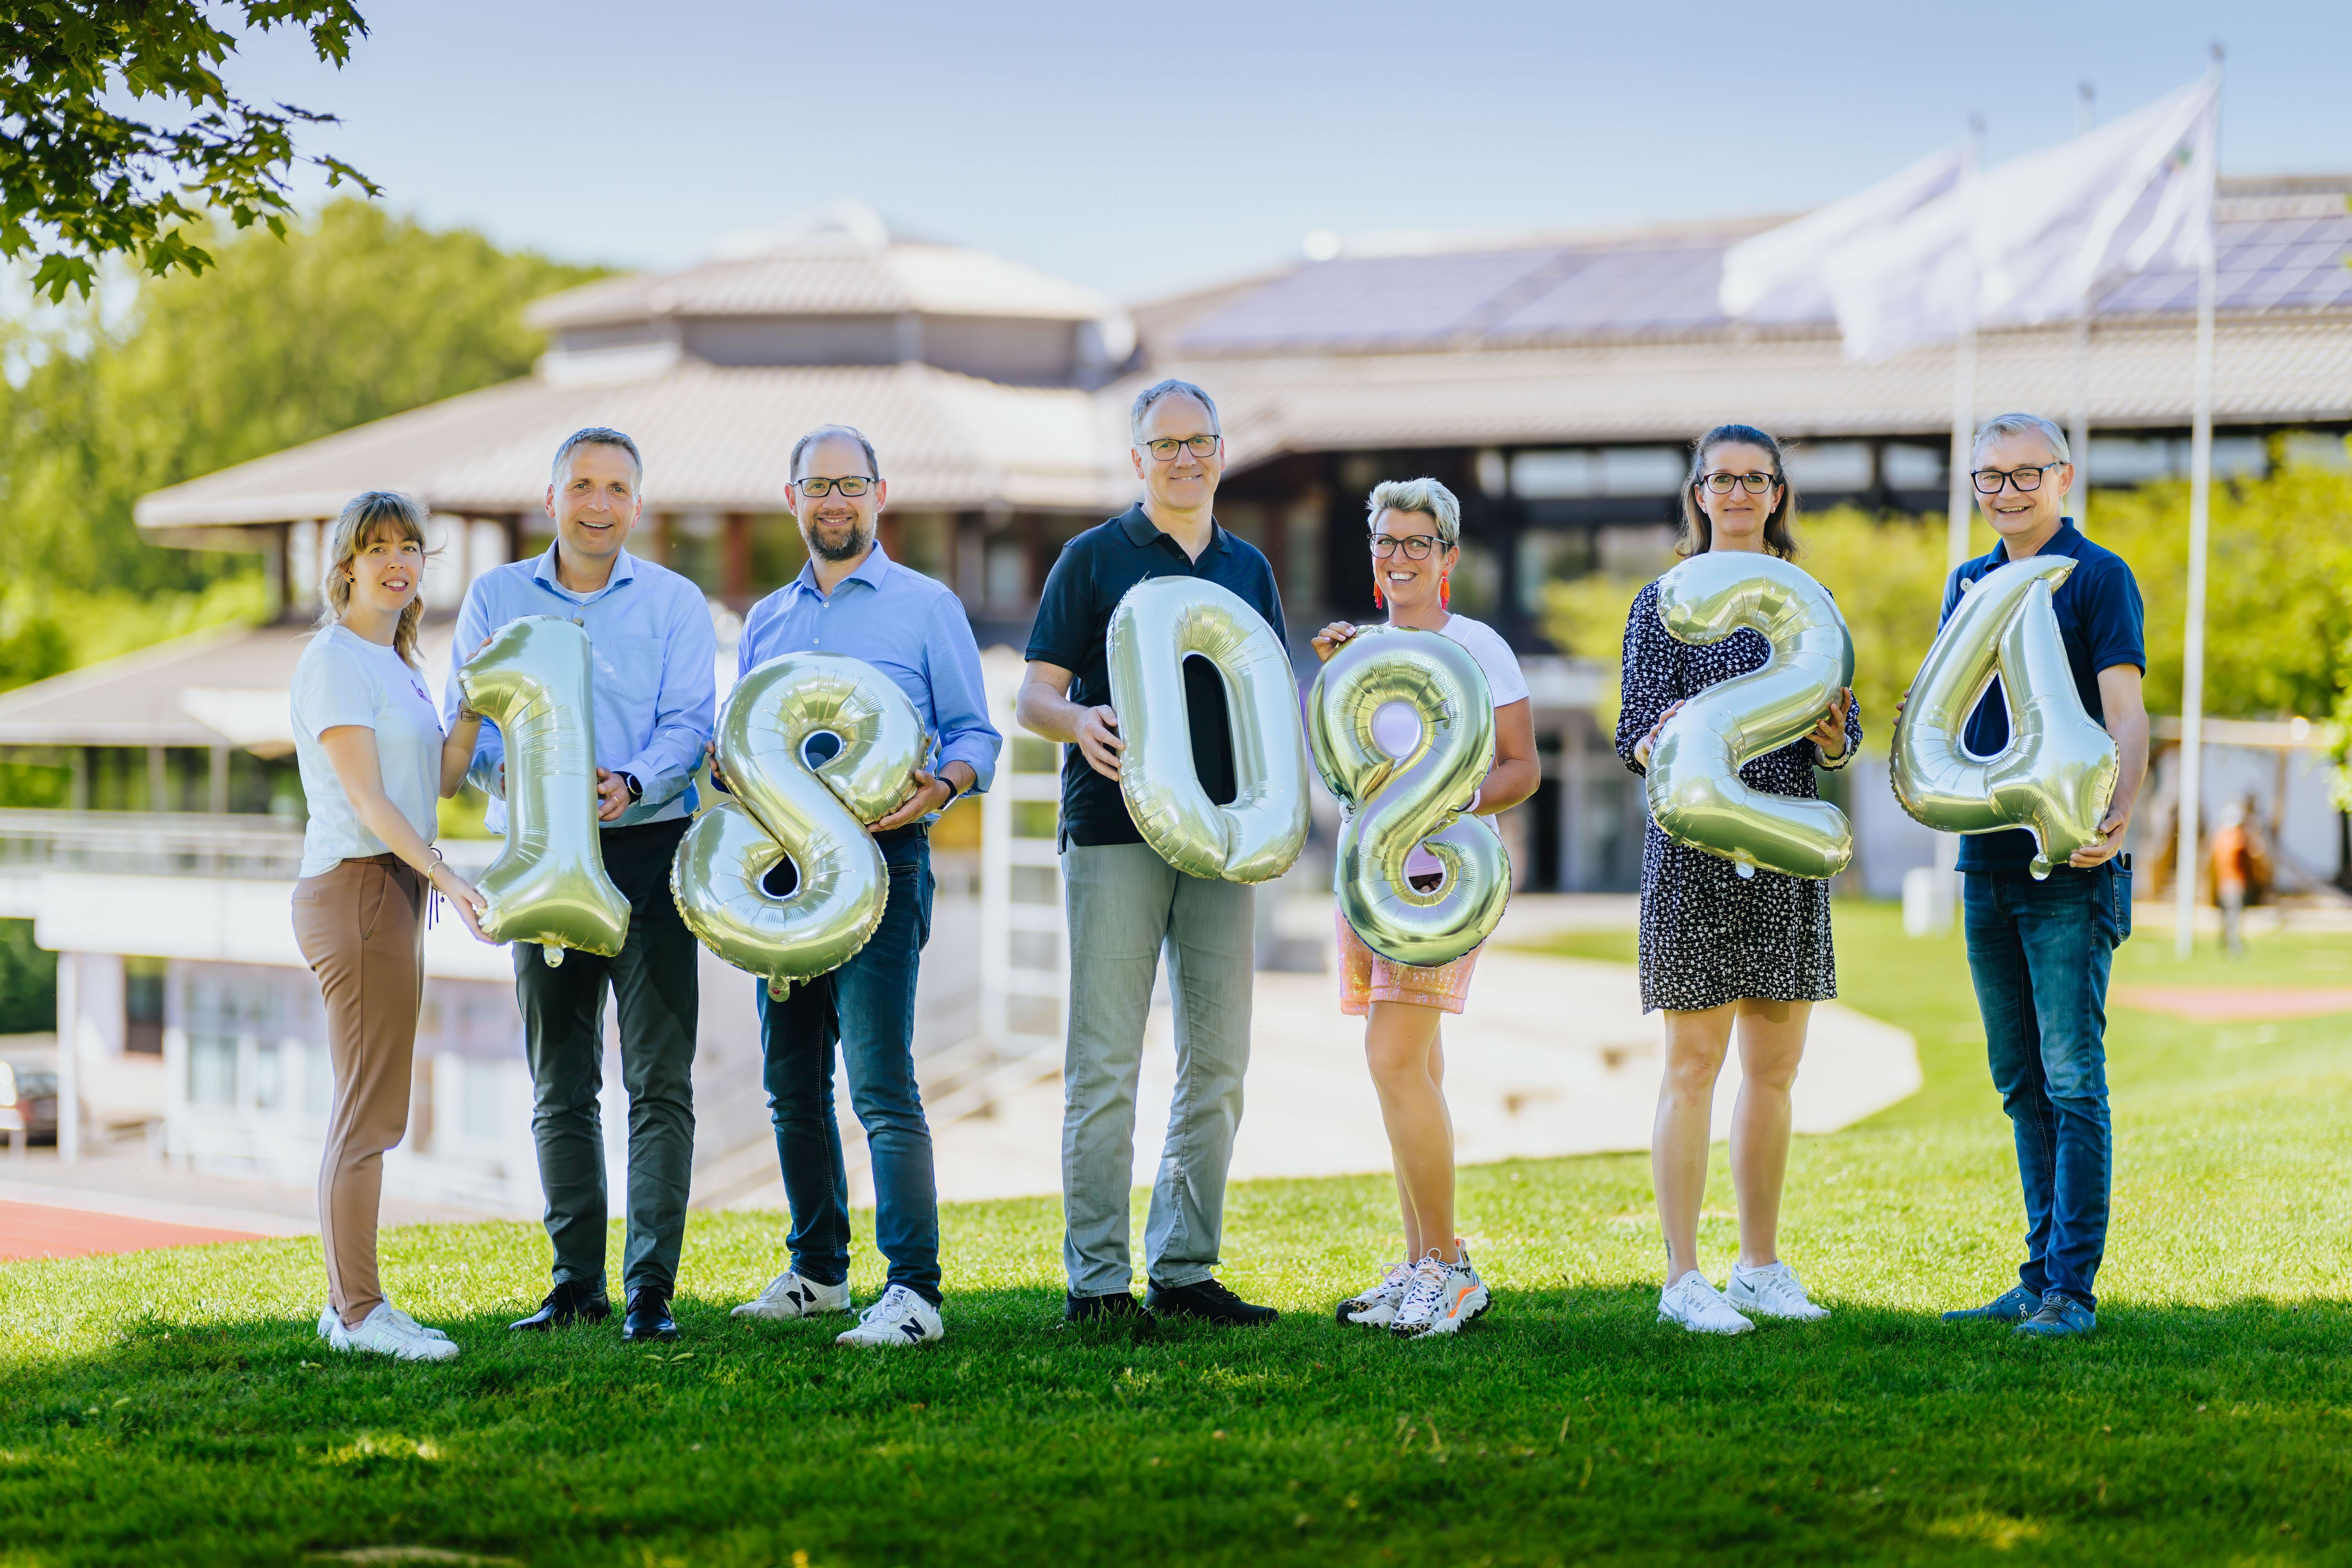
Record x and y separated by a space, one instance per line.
872 571
2067 541
1141 531
624 570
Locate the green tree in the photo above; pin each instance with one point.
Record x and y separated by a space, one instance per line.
80 181
353 316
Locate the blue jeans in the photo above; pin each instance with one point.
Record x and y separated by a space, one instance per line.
2039 952
867 1006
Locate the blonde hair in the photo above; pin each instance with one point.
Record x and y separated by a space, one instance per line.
1425 497
361 516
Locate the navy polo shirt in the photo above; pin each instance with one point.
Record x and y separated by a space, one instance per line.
1073 628
2100 620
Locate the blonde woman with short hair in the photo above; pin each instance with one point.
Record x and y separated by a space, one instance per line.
1416 542
374 765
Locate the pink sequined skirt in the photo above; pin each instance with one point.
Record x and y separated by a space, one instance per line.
1365 977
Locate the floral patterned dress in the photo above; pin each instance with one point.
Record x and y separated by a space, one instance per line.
1709 935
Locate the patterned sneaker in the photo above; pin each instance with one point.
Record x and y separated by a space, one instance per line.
384 1332
899 1318
1424 1294
1377 1308
2061 1317
790 1295
1771 1291
2013 1305
1693 1304
1461 1296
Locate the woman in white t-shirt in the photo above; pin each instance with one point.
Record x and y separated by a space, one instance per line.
374 765
1416 540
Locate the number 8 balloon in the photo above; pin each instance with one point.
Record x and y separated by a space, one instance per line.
1392 803
548 885
816 815
1695 792
2057 775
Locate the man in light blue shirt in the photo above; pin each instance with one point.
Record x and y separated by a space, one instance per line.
853 599
652 683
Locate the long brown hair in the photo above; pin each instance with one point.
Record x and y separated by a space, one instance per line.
1698 534
361 516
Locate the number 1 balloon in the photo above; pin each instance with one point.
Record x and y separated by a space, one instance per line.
1695 794
1158 624
816 815
548 885
1396 803
2057 775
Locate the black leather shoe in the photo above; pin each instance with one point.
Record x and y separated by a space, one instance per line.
1208 1301
1079 1309
648 1319
567 1304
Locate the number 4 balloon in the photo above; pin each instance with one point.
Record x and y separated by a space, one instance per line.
2057 775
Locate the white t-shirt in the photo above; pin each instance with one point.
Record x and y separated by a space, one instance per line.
1397 727
343 679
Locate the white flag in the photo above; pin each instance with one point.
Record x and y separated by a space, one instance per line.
2033 240
1777 275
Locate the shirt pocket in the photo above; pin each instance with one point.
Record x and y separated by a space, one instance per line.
628 680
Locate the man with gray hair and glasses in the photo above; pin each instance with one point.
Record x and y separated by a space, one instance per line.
2039 951
1126 905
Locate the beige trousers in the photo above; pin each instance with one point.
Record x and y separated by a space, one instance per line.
362 928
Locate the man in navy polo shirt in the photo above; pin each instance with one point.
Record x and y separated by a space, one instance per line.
2038 952
1126 904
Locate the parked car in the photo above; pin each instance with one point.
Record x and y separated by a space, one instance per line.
31 1094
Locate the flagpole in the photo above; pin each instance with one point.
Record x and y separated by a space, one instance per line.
2192 647
1960 501
2078 433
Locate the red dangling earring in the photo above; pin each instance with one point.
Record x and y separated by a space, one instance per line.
1377 603
1445 591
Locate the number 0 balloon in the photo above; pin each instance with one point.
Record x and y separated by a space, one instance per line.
2057 775
1396 803
1159 622
548 885
1695 790
817 816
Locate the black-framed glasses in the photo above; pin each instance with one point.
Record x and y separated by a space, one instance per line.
853 487
1417 546
1164 449
1754 484
2027 480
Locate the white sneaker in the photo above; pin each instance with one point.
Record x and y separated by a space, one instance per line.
1377 1308
1695 1304
790 1295
388 1331
899 1318
1771 1291
1458 1297
326 1321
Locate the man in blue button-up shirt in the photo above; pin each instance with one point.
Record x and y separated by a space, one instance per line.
653 682
853 599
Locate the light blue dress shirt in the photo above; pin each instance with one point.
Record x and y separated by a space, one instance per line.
653 678
908 627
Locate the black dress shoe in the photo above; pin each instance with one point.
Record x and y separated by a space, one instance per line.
648 1319
1208 1301
1077 1309
567 1304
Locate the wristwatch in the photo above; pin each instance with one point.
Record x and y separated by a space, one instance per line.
637 790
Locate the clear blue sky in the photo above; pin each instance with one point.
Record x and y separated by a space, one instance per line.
1145 148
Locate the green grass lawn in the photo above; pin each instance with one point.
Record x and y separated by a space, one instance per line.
172 1407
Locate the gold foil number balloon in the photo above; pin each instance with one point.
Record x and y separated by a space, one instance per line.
783 807
548 885
1158 624
2057 775
1396 803
1695 794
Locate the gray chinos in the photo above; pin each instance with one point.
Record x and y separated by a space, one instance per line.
1126 905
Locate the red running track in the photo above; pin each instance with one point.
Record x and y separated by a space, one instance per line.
35 1230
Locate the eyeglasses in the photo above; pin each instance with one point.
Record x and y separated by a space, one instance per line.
1417 546
1164 449
2027 480
853 487
1754 484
